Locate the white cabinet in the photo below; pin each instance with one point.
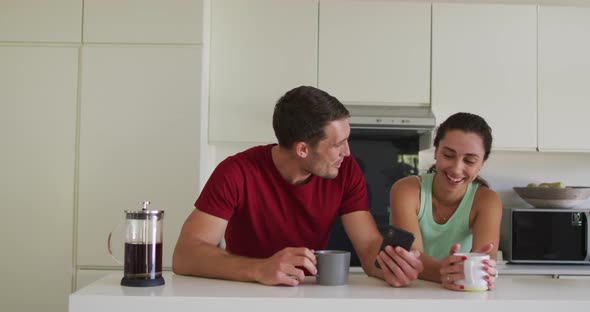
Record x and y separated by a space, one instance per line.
375 51
41 21
564 77
37 162
87 277
139 140
259 50
145 21
484 62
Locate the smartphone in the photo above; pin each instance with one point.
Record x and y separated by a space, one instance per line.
394 236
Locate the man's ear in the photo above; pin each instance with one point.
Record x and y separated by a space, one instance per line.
302 149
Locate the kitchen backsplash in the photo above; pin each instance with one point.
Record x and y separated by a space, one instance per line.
503 169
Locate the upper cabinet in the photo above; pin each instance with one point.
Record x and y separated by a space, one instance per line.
484 61
259 50
564 73
145 21
375 52
56 21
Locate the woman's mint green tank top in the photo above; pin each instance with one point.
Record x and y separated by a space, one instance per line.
438 238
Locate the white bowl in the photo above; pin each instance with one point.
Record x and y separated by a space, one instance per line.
548 197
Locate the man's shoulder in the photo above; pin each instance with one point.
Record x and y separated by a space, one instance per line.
350 162
244 163
349 168
251 155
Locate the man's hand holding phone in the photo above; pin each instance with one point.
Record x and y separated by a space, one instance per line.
394 237
399 266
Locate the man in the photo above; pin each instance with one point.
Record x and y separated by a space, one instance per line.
276 204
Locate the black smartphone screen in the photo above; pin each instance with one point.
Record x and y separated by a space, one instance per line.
394 237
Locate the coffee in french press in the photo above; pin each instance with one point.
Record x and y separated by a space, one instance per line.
143 247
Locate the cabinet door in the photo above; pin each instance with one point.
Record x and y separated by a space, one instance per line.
484 62
145 21
564 76
375 51
37 161
260 49
41 20
139 140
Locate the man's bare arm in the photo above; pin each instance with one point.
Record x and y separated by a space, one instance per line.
366 239
197 254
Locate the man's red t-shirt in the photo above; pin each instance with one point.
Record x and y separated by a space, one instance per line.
265 213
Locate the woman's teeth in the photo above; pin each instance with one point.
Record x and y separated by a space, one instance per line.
455 180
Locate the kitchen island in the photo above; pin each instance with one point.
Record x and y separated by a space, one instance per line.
182 293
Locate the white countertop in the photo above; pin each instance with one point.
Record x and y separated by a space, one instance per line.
554 270
544 269
182 293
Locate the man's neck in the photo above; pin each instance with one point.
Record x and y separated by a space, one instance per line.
288 165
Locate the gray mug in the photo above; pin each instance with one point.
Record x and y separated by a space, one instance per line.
333 266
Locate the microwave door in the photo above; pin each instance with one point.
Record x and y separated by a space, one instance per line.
549 236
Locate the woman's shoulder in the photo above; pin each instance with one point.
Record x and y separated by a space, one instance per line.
486 196
405 196
407 184
485 192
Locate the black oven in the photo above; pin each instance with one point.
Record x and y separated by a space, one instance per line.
385 141
385 156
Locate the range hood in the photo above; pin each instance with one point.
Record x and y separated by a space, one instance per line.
393 117
394 121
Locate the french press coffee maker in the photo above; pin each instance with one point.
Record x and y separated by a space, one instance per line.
143 247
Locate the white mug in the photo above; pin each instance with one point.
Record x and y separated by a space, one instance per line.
473 270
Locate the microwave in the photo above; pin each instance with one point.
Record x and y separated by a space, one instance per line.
540 235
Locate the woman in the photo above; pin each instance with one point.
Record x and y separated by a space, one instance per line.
451 209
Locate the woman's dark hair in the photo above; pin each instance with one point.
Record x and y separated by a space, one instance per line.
469 123
302 113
